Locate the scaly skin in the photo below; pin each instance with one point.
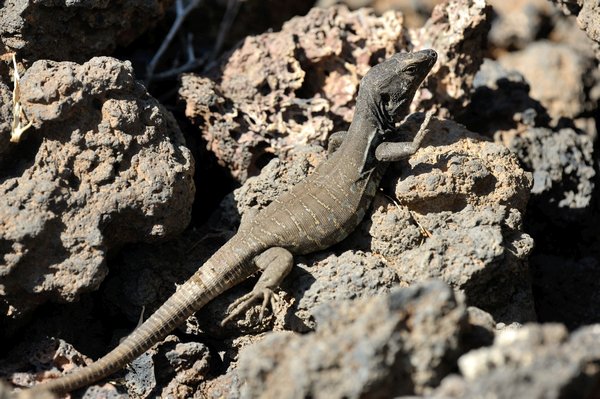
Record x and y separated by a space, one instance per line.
316 213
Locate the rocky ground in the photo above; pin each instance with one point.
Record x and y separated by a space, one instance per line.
476 272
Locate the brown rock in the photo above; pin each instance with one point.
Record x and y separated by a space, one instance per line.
587 17
380 347
289 88
104 165
457 30
280 90
557 75
457 216
74 30
416 12
535 361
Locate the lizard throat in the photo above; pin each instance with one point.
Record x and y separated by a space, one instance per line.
386 119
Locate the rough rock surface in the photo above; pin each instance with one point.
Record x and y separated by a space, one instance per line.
483 219
416 12
289 88
561 88
171 369
457 30
561 161
6 115
104 165
518 23
146 275
501 102
457 216
562 213
55 356
587 17
536 361
83 28
454 212
394 344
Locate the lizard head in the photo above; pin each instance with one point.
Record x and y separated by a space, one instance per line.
389 87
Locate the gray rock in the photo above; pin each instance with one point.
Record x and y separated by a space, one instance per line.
393 344
536 361
562 164
104 165
587 17
563 87
457 216
74 30
350 275
284 89
501 101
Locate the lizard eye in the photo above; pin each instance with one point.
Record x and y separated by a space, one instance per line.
411 69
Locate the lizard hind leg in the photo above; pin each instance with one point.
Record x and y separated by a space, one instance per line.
275 263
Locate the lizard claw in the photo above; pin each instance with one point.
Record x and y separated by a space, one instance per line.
243 303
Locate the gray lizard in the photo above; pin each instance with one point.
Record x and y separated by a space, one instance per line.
318 212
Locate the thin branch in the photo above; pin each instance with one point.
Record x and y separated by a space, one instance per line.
233 7
18 114
181 14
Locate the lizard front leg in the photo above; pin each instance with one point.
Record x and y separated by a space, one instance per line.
276 263
391 151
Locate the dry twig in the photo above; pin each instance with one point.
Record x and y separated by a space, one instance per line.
18 114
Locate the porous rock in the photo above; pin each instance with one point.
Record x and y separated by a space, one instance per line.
457 30
536 361
399 343
562 164
146 274
561 159
457 216
416 13
279 90
54 356
518 23
6 115
74 30
294 87
561 88
561 215
103 165
171 369
586 12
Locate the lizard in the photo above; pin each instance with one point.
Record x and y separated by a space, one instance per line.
316 213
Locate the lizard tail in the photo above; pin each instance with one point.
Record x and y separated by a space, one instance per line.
171 314
207 283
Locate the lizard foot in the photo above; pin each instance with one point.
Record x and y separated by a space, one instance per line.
243 303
